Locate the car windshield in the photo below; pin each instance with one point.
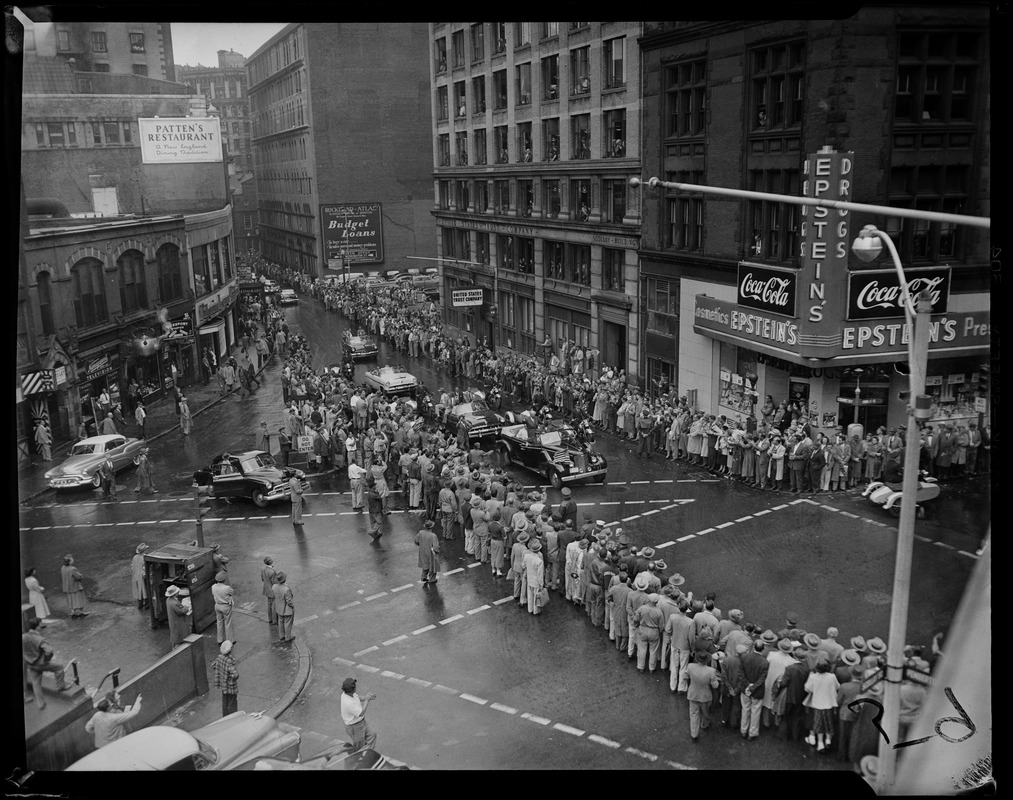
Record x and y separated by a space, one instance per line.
82 450
473 407
259 461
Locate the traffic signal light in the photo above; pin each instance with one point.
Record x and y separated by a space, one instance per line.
983 376
203 496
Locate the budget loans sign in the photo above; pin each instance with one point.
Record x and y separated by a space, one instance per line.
352 232
180 140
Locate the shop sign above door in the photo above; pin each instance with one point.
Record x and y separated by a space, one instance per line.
767 289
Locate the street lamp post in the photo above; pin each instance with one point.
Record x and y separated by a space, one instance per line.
858 390
867 247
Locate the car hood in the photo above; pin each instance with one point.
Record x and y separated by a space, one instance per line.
268 474
73 464
482 418
242 736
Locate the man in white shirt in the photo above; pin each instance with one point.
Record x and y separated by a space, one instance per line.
353 714
109 721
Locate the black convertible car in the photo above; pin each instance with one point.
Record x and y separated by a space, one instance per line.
554 449
252 474
480 420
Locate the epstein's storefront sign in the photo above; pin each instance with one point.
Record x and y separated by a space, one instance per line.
209 305
877 295
751 329
353 232
180 140
766 289
958 332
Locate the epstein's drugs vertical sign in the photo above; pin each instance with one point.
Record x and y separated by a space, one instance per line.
353 232
180 140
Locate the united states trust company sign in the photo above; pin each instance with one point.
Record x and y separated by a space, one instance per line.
766 289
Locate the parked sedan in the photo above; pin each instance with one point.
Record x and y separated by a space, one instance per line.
340 755
252 474
229 743
80 468
288 297
392 380
555 450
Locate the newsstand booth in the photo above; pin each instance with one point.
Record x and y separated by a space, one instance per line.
187 567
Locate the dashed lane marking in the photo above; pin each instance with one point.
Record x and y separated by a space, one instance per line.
402 588
743 519
395 675
305 619
723 525
686 537
445 689
533 718
480 608
419 682
641 753
454 571
594 737
423 630
366 668
559 726
761 513
502 600
454 618
374 596
367 650
344 662
349 605
503 708
472 699
395 640
705 530
475 564
664 545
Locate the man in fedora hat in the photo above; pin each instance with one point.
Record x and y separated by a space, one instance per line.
571 567
848 691
634 600
568 508
517 552
848 659
534 575
791 621
773 706
877 651
430 490
179 617
137 582
595 596
731 686
223 597
615 602
679 637
429 551
754 671
284 604
703 679
144 472
791 685
267 574
649 622
227 678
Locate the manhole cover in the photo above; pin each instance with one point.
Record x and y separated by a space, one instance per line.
878 598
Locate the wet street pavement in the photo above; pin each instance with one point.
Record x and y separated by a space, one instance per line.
465 678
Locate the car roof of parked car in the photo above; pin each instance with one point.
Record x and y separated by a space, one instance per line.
153 748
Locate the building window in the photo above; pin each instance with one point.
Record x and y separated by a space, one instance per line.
613 269
774 226
201 275
550 139
687 97
523 95
140 69
128 135
96 132
72 134
578 264
45 303
580 199
525 310
550 29
63 41
525 198
522 34
248 221
441 55
685 215
936 74
524 141
461 141
580 129
137 43
662 301
499 89
502 144
507 251
460 99
502 196
98 66
614 54
554 260
481 147
499 37
580 70
111 132
507 314
443 144
778 86
615 133
615 200
133 292
40 134
442 103
445 195
98 42
477 42
88 288
550 78
55 130
550 198
482 241
929 188
458 47
478 94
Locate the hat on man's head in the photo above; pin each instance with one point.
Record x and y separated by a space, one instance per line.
659 565
792 618
812 641
225 648
850 657
768 637
858 643
676 580
735 615
600 523
641 581
784 646
280 577
172 591
877 646
523 537
535 546
430 524
141 547
221 576
566 491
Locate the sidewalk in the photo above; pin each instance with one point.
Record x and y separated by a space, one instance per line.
271 674
161 420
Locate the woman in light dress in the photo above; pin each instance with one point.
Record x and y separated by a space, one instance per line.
36 595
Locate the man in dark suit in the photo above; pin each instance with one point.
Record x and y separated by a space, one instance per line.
754 674
792 682
798 459
817 460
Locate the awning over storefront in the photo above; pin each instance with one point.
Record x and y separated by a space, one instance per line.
211 330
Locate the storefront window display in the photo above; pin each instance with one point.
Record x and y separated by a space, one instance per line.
737 380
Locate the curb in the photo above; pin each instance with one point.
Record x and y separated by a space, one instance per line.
166 432
298 684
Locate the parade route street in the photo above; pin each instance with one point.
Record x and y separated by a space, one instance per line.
467 680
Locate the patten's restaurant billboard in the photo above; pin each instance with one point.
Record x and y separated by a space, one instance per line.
180 140
352 232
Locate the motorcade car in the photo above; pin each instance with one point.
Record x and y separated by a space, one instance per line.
356 347
228 743
253 474
271 287
555 449
288 297
392 380
81 467
432 271
480 420
392 274
426 282
339 755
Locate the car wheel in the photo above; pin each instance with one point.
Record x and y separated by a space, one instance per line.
600 478
895 509
258 498
96 481
555 479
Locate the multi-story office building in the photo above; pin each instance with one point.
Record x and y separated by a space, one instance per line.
128 259
340 112
224 88
536 133
748 298
128 48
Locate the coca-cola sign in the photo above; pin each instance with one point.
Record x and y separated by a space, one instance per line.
875 295
767 289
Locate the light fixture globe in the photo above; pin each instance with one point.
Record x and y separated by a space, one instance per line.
868 245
